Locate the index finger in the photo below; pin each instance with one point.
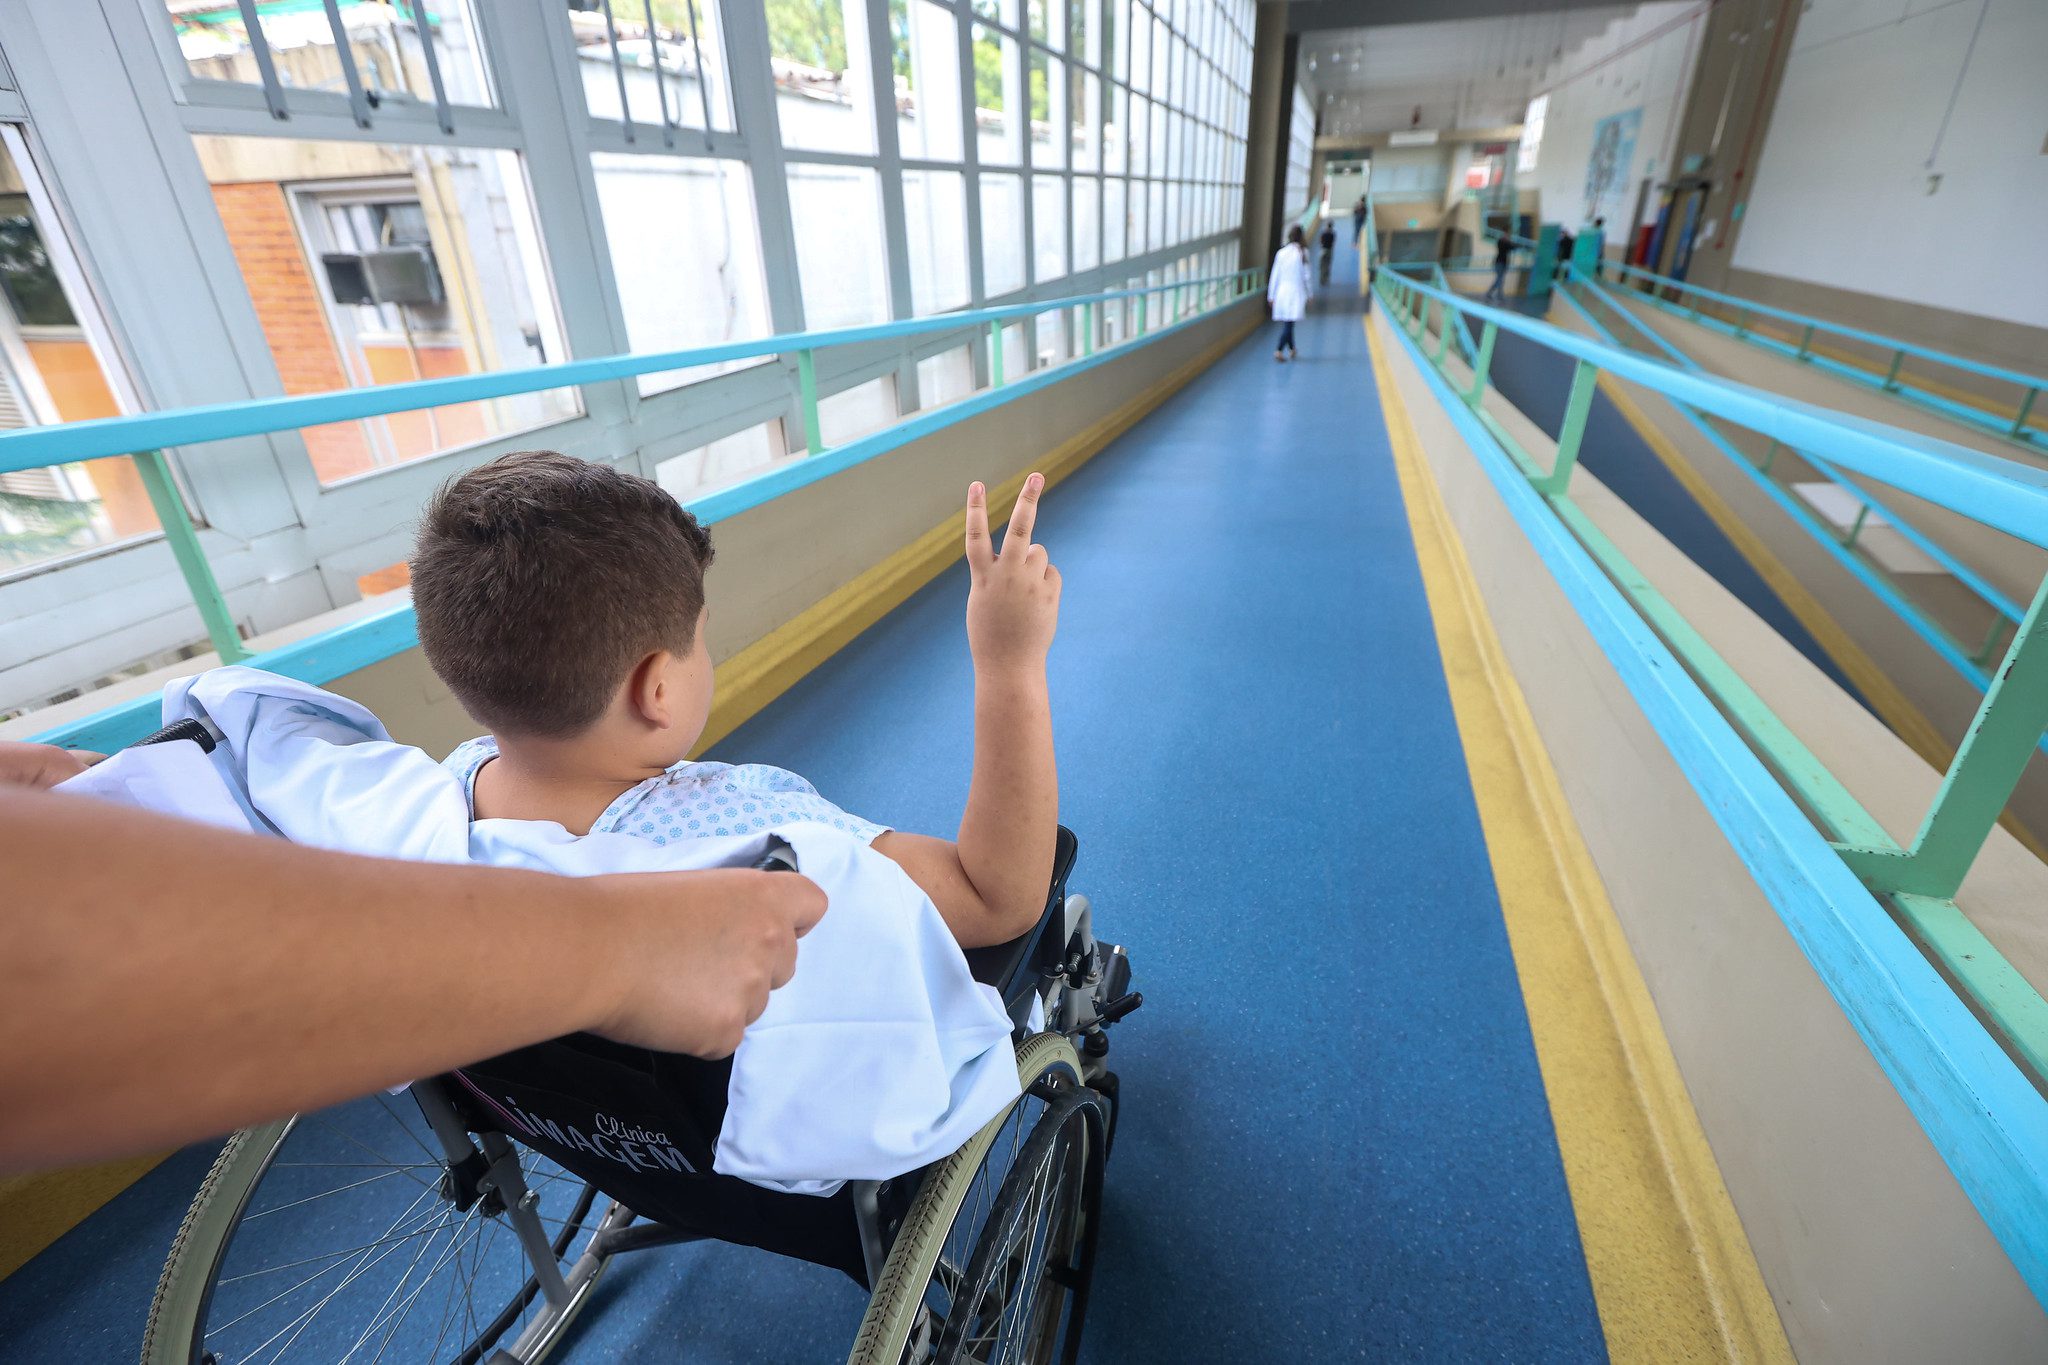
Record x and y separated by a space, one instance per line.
1025 515
980 554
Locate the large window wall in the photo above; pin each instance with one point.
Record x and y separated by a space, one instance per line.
192 211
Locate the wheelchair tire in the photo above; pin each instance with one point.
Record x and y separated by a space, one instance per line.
180 1329
935 1247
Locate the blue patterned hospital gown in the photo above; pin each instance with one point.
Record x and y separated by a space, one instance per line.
696 800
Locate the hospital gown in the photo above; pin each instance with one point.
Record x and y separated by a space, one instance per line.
696 800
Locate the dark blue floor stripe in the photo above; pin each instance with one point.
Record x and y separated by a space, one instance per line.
1335 1142
1537 379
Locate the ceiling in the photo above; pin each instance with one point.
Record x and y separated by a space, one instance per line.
1465 73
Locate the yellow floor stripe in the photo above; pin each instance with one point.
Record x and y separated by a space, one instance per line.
1672 1271
36 1210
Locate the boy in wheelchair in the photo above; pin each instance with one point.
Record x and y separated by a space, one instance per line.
563 604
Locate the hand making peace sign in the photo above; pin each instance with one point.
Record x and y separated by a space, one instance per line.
1013 605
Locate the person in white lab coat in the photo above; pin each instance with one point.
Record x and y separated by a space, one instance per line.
1288 288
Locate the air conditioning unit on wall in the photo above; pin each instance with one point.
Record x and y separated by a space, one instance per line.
399 274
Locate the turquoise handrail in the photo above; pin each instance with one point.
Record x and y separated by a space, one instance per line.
64 443
2001 493
1985 1115
341 649
1955 653
2017 427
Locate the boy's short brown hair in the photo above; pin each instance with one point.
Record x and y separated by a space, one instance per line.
540 580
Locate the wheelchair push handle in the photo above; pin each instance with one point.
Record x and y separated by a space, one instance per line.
194 730
780 857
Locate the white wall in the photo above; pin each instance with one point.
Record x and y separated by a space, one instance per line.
1411 172
1643 61
1841 192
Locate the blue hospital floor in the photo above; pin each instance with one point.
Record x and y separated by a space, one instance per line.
1334 1143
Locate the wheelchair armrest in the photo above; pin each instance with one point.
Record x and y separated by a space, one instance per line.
1015 968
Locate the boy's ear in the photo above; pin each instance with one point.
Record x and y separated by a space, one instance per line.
647 693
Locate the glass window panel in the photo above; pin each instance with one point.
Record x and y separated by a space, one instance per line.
384 40
729 459
1156 232
1141 138
945 378
1116 38
1087 222
1141 49
1039 15
376 263
998 11
836 212
1002 233
677 75
1085 133
1016 351
1115 225
1082 31
50 372
1048 110
1049 335
1048 226
998 103
817 50
935 214
1116 131
927 63
685 254
853 413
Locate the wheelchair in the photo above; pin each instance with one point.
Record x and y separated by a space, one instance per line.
468 1217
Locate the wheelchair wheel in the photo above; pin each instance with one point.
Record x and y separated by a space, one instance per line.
345 1234
993 1260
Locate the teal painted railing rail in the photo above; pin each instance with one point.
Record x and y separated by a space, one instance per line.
1737 317
2001 493
143 437
1971 662
1825 863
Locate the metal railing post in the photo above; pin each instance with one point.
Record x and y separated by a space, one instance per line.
807 389
184 542
2019 423
1572 430
1806 343
2007 728
1141 315
995 355
1088 328
1891 376
1481 365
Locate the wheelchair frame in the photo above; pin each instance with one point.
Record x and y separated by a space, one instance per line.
900 1229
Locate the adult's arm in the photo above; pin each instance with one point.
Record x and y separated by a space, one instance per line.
161 981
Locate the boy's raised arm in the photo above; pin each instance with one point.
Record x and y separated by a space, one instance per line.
990 885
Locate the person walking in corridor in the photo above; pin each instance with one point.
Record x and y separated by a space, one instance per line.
1288 290
1503 251
1358 219
1329 244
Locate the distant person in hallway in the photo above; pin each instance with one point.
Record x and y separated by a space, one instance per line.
1503 253
1358 219
1329 245
1600 240
1288 290
1562 270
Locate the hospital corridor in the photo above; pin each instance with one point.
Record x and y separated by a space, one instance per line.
563 566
